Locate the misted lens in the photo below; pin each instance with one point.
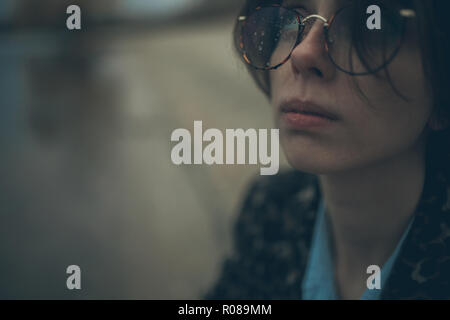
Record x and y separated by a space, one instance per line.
269 36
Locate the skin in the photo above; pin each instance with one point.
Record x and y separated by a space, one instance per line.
371 161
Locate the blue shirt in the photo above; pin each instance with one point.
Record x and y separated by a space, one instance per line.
318 282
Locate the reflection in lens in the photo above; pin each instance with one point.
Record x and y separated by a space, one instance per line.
269 35
354 48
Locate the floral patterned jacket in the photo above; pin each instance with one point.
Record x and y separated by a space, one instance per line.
272 237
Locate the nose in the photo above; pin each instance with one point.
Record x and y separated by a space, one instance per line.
309 58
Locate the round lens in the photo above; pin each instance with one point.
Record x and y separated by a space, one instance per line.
359 45
268 36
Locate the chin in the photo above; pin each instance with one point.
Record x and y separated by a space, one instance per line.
315 159
310 166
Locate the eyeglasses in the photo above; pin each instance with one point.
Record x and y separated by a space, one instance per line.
269 35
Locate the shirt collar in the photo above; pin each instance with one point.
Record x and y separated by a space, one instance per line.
319 283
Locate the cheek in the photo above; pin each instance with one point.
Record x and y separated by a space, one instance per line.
382 133
279 81
384 124
398 109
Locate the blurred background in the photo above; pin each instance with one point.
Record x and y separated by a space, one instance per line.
85 171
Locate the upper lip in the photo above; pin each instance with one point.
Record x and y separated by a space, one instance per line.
297 105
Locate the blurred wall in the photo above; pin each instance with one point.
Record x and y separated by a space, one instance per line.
86 172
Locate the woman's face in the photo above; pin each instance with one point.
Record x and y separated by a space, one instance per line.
365 130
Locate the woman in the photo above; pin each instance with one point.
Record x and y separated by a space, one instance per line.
359 92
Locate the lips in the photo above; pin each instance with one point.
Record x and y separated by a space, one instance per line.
306 108
300 115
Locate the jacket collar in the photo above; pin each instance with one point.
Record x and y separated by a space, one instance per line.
422 268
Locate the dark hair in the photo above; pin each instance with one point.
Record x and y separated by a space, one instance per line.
433 30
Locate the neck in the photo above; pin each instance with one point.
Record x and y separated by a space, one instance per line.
370 208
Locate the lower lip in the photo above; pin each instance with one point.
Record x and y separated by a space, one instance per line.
299 121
